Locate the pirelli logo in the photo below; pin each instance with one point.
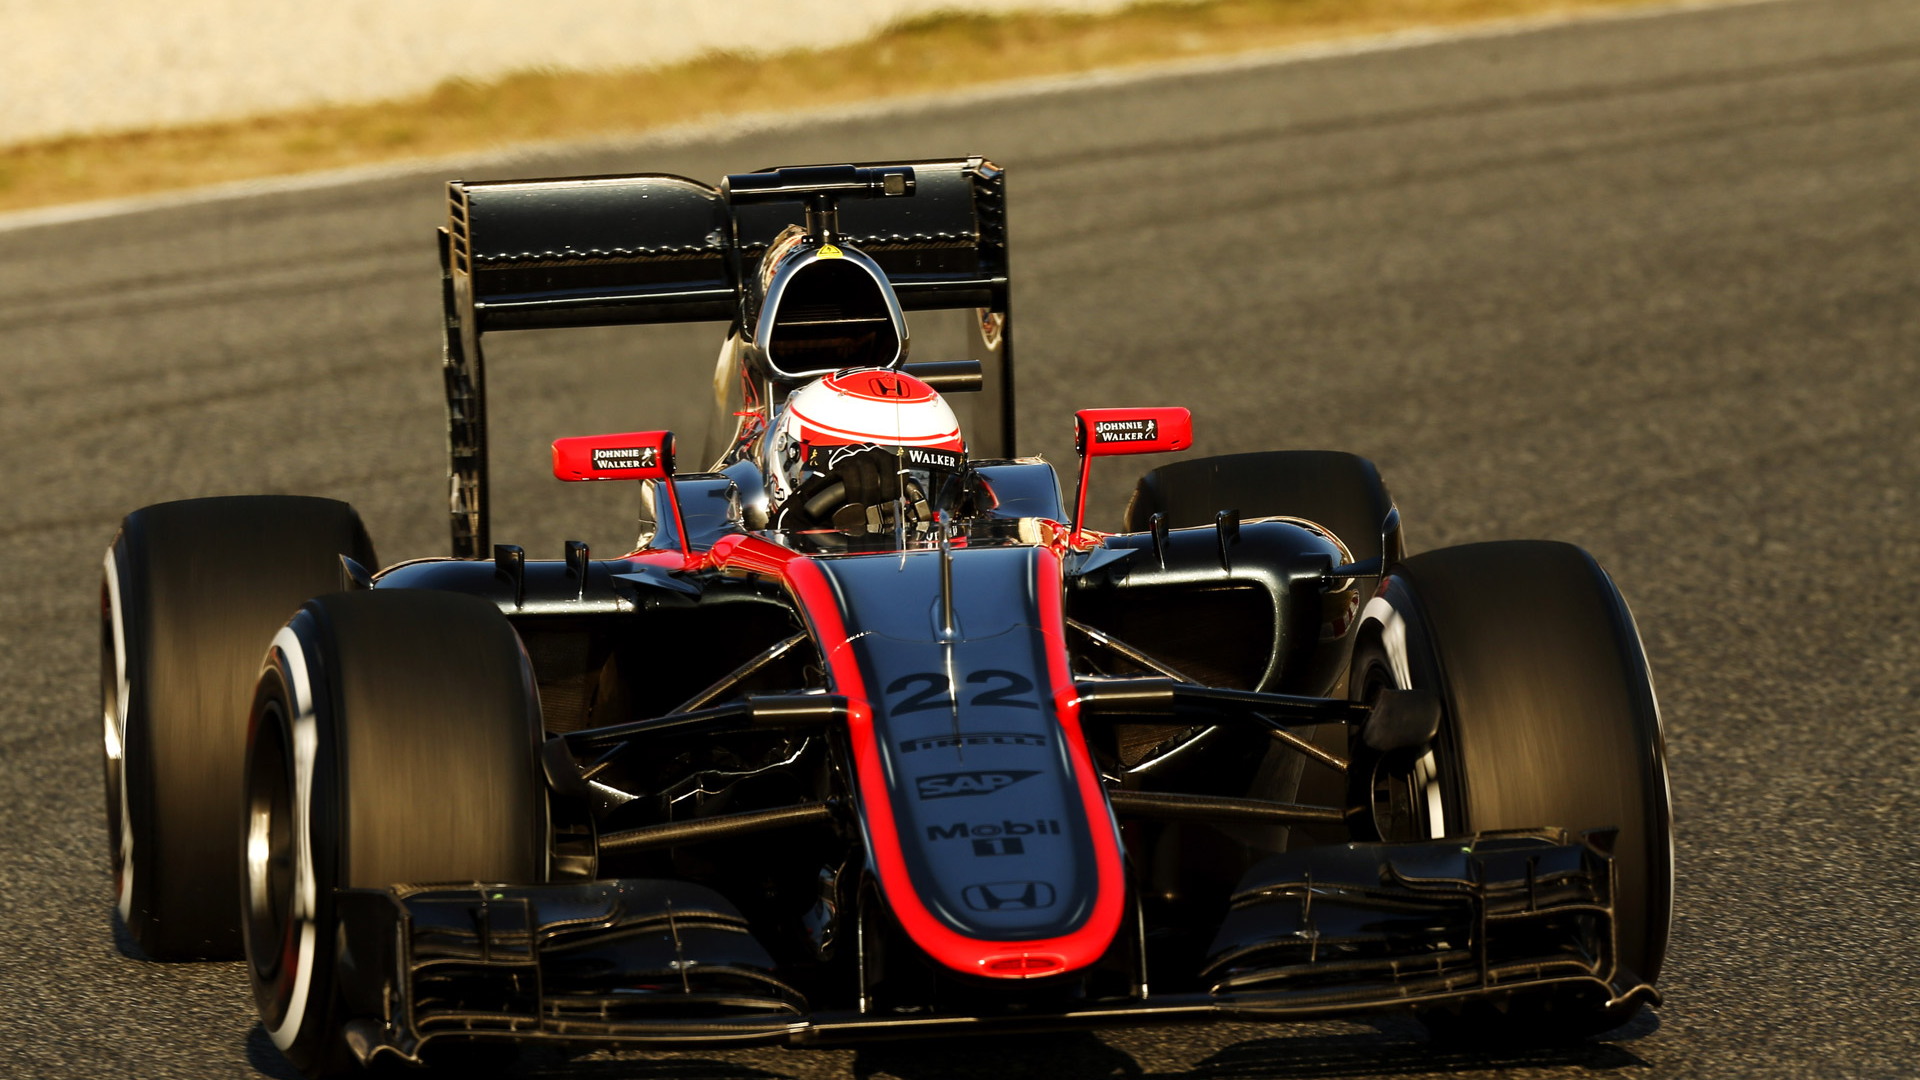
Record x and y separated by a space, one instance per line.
1145 429
985 738
626 457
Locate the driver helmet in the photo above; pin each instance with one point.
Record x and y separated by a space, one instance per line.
868 452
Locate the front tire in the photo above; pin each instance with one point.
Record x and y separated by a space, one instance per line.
1549 719
191 593
394 739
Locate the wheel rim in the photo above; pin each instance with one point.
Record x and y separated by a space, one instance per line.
282 898
114 700
1412 800
272 928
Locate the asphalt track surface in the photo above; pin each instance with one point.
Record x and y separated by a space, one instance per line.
1651 286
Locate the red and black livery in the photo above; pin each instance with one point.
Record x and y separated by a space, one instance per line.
1242 755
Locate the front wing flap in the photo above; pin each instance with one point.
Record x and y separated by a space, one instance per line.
632 960
1422 923
1320 932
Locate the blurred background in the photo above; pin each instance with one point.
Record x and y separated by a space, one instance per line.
93 66
109 98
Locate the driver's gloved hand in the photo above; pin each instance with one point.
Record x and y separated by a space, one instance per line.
841 499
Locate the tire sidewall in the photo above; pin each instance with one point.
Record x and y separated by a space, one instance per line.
298 1008
344 678
1394 634
125 730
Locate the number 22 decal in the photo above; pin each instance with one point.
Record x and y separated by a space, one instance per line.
935 691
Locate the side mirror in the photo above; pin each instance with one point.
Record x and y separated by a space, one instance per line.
1107 432
1112 432
635 455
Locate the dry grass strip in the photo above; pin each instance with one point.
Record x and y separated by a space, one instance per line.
919 56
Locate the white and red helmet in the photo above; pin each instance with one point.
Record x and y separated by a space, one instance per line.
866 451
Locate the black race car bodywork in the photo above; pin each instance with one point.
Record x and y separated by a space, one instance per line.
1228 761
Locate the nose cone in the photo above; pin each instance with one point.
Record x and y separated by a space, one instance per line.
988 829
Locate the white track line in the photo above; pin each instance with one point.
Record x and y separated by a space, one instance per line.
749 123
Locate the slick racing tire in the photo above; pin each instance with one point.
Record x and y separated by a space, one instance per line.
1548 719
394 739
191 593
1340 491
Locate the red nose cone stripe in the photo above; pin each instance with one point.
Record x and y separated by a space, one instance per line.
1073 951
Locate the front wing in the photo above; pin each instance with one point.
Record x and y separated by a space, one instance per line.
1321 932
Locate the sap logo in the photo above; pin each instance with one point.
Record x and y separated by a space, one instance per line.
953 784
1008 896
985 738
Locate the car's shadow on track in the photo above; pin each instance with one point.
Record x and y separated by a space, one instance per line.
1396 1047
265 1057
1304 1057
1079 1056
123 942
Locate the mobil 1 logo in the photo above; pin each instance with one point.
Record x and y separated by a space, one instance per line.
955 784
1005 837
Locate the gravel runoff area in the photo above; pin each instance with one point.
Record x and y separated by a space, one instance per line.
89 66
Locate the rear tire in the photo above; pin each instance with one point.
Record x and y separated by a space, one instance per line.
1549 720
192 592
1340 491
394 739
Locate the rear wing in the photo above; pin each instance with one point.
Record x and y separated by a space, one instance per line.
654 248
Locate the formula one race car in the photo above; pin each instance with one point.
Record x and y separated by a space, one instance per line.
870 736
